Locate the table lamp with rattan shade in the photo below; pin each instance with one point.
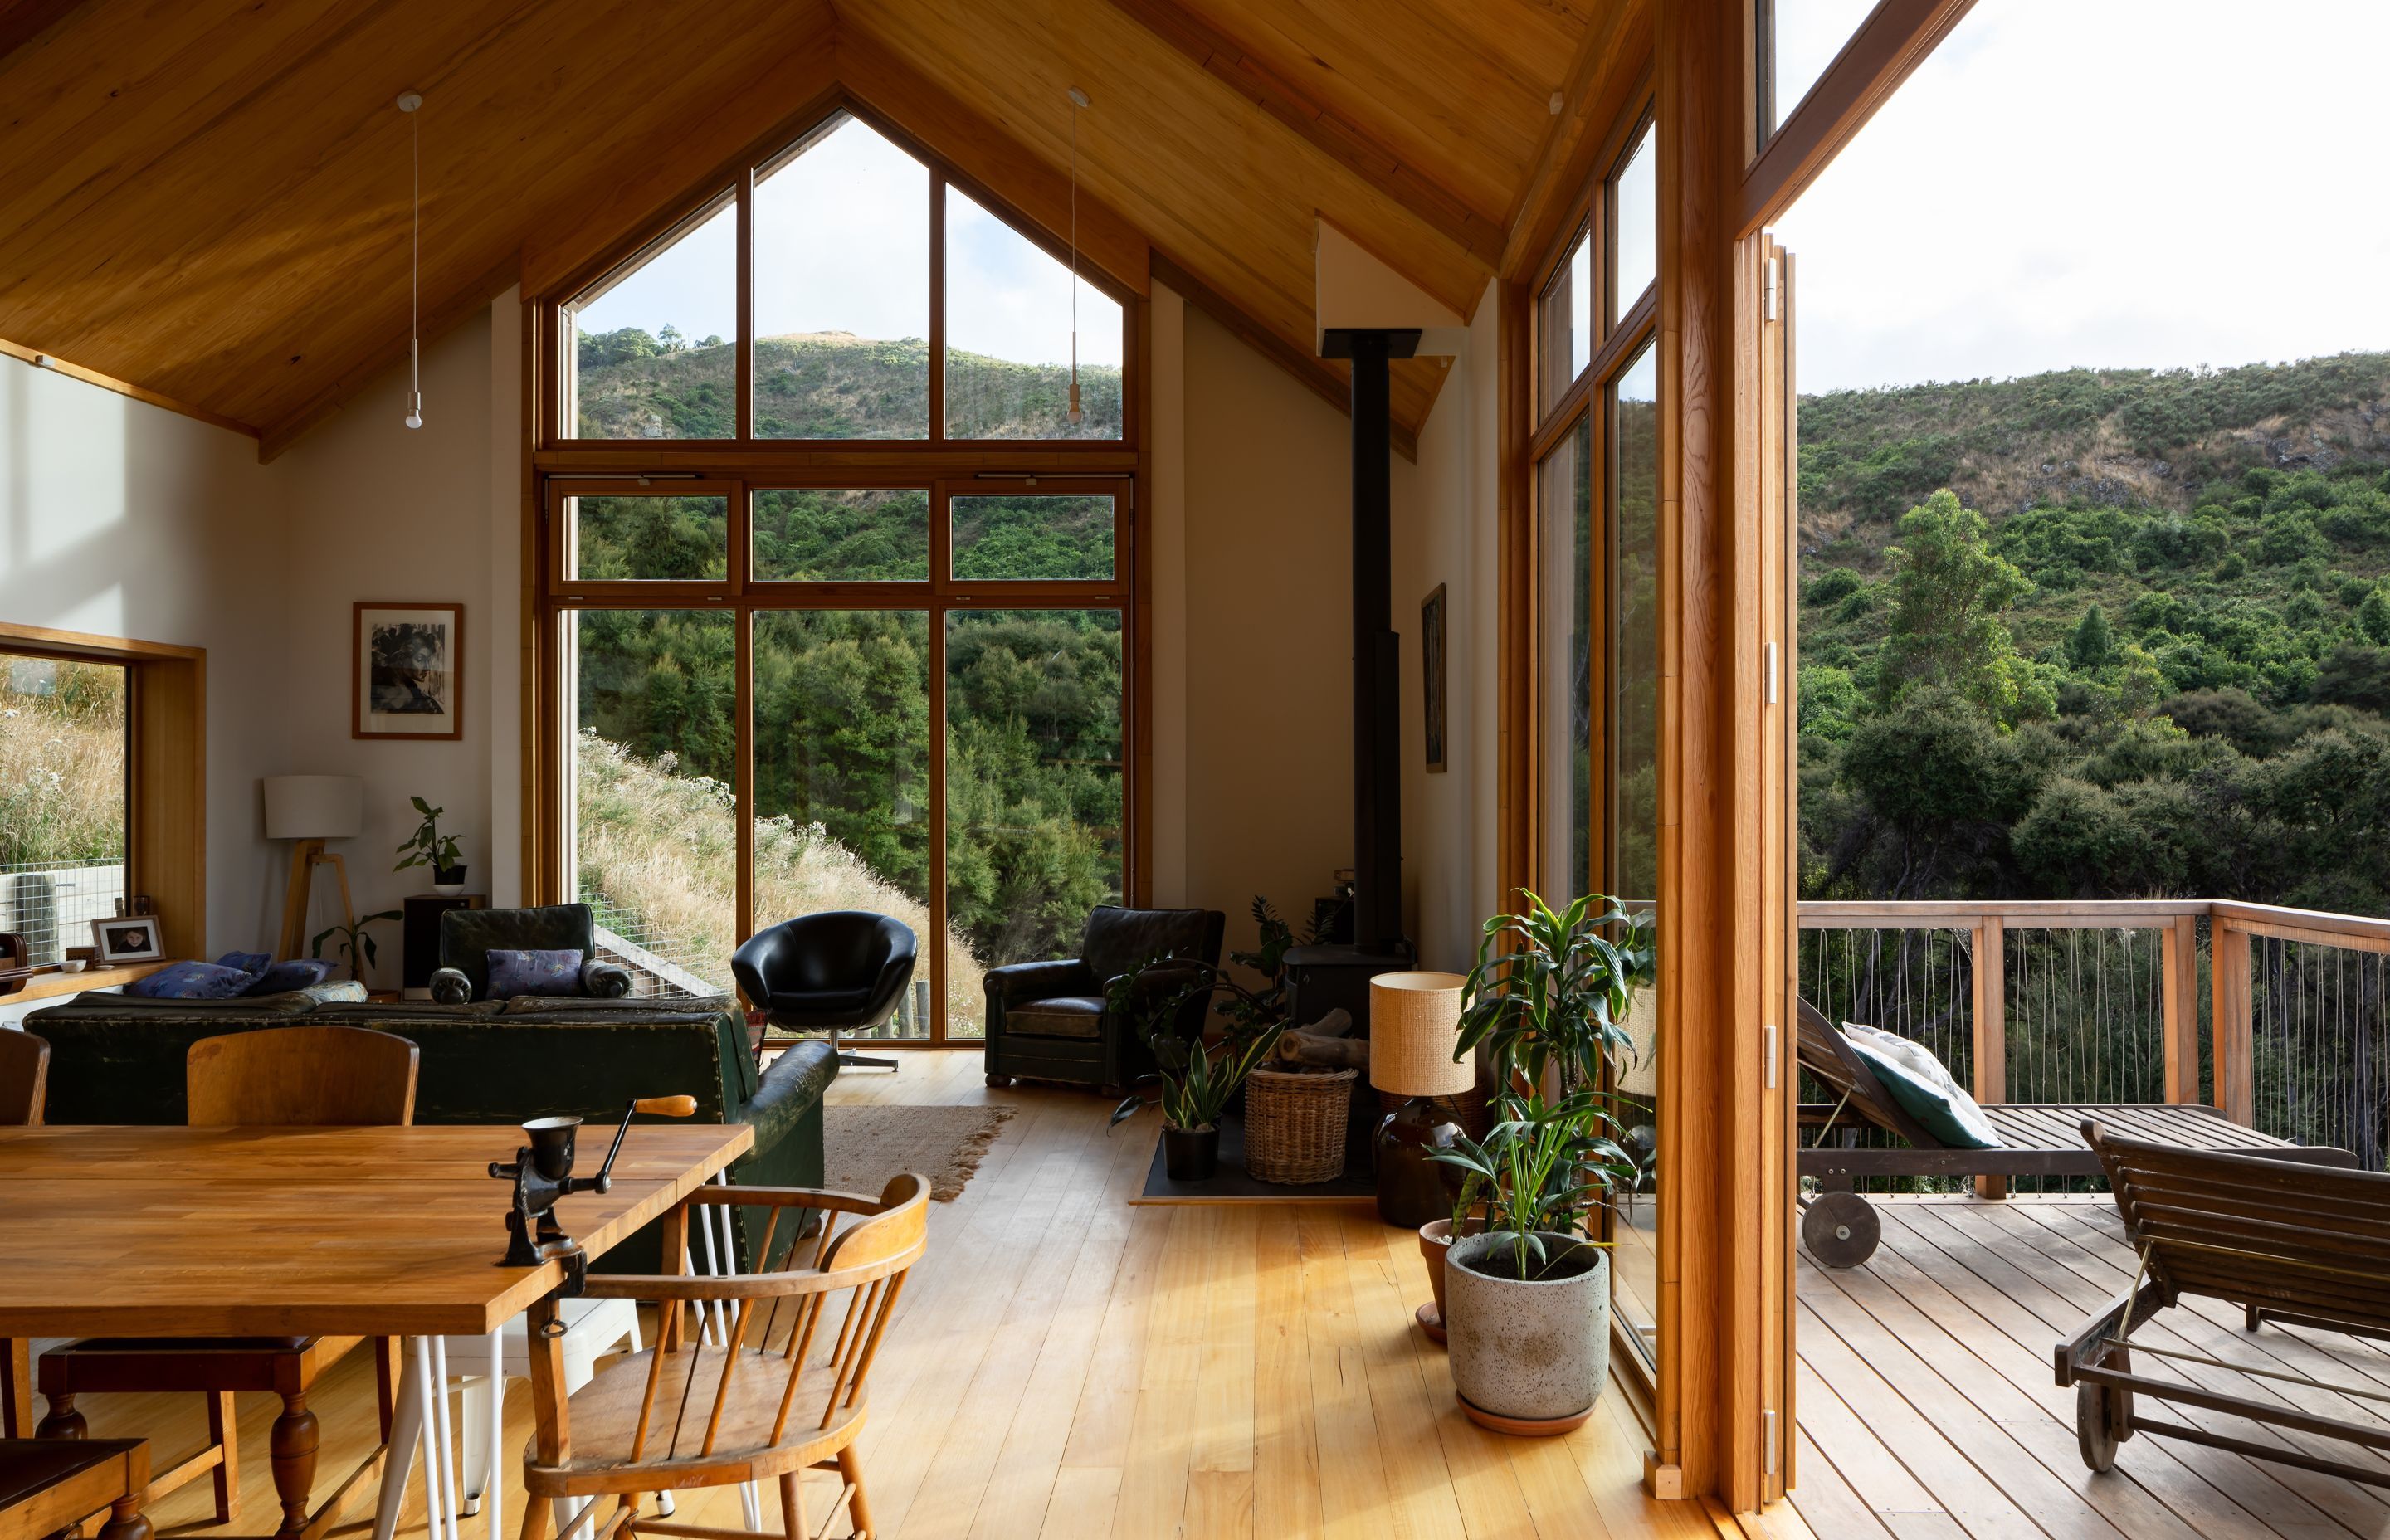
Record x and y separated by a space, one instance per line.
1414 1029
311 809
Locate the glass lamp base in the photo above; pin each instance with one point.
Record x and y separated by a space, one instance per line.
1412 1187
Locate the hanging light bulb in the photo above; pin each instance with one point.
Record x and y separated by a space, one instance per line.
1078 105
407 102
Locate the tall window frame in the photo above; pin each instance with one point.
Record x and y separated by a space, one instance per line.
560 466
1576 586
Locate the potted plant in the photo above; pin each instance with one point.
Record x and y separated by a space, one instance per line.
1436 1245
1196 1078
428 847
355 943
1527 1302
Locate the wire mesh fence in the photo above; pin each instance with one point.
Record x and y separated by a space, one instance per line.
2082 1013
52 903
2319 1051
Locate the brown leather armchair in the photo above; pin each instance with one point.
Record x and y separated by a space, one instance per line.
1049 1020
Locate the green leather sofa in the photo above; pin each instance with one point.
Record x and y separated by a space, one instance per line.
118 1059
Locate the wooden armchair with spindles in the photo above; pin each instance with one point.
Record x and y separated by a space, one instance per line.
782 1391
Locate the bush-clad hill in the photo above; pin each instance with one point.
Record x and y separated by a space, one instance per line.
828 385
2101 632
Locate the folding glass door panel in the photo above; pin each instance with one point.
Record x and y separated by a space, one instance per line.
842 731
654 838
1033 789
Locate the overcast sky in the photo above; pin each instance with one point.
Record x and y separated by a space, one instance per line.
2129 183
843 243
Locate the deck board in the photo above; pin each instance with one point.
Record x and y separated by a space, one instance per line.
1926 1404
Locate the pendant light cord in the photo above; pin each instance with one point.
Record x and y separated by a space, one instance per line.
415 274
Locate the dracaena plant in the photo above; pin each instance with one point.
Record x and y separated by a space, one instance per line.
1553 986
1539 1171
1196 1078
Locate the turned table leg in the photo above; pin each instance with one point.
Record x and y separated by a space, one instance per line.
126 1521
293 1449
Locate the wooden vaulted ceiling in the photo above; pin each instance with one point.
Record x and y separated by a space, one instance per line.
208 199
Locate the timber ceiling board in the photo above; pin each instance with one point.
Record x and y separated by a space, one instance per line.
210 198
1230 192
1459 90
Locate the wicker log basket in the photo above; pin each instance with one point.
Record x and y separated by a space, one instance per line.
1295 1123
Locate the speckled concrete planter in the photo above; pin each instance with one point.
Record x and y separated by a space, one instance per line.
1526 1352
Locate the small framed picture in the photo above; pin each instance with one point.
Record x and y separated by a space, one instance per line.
1432 676
407 677
130 940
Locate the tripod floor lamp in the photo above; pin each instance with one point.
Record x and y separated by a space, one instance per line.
311 809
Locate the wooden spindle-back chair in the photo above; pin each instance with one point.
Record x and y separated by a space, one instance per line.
783 1394
25 1075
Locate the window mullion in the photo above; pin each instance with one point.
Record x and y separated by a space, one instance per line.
937 307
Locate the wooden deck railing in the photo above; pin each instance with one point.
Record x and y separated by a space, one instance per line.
2319 998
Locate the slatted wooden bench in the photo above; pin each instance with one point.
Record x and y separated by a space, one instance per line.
1841 1229
2285 1242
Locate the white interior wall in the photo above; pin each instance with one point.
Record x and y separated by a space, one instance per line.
119 518
1446 534
381 513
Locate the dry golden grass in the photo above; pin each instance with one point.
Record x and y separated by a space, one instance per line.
61 761
662 848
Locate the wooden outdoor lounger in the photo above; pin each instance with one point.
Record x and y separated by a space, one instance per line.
2284 1241
1840 1230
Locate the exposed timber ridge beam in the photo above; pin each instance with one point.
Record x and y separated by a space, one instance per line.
1323 379
1344 141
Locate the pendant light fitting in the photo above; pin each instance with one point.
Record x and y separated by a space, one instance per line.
407 102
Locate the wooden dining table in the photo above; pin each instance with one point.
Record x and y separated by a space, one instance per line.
109 1231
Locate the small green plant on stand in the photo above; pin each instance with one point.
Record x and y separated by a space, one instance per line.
355 943
427 846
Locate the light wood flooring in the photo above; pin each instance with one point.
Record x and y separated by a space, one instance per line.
1068 1365
1928 1410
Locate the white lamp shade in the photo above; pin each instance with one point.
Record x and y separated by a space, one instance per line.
1414 1027
313 807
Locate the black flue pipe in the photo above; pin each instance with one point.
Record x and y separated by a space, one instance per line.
1377 657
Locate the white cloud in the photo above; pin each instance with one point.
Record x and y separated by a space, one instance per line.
2121 182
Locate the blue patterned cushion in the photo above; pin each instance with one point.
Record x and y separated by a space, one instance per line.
248 962
284 976
191 980
518 972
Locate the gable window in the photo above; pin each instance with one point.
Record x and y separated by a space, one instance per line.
879 300
837 604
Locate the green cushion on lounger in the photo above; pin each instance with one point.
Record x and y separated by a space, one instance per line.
1924 1087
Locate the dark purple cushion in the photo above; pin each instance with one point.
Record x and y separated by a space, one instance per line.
297 973
191 980
248 962
516 972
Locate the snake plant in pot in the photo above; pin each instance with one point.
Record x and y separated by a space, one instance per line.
1527 1299
1196 1078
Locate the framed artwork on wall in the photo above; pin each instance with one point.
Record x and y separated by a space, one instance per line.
1433 678
407 671
134 938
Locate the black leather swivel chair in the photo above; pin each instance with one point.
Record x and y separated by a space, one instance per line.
839 971
1051 1020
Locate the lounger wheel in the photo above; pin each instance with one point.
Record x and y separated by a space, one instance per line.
2103 1418
1841 1229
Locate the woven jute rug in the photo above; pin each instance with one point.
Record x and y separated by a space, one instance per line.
864 1145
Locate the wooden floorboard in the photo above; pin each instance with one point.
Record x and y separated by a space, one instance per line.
1065 1366
1926 1404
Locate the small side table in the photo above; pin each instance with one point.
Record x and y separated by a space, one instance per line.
419 936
